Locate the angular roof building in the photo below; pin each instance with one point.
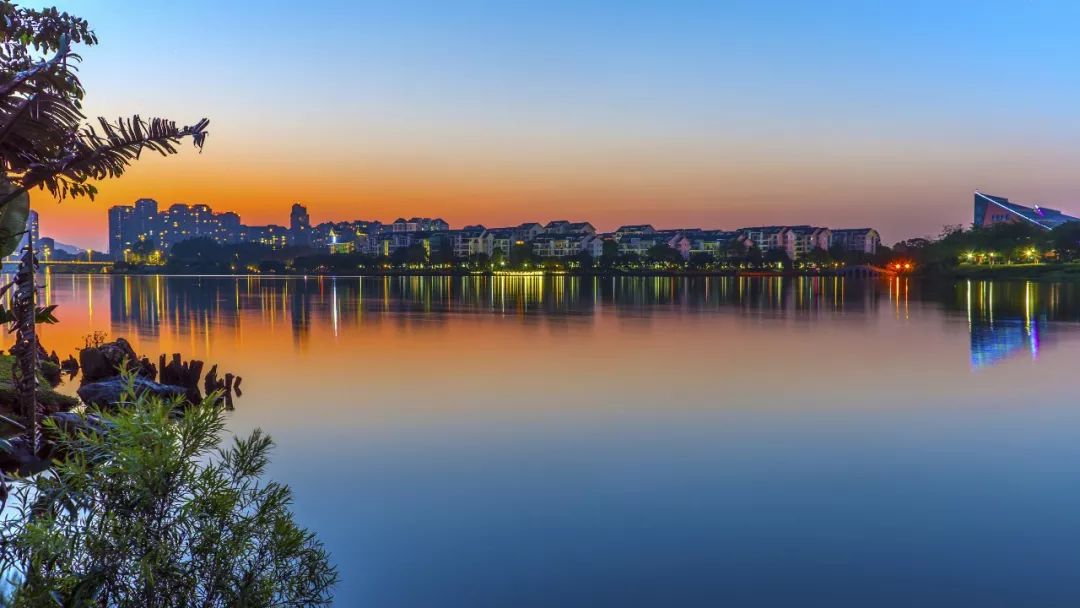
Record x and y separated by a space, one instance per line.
991 210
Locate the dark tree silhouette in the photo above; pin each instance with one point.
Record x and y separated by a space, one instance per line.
46 143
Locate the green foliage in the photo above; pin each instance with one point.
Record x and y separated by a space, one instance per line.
12 218
47 397
152 513
819 257
521 255
999 244
582 260
205 255
609 254
413 254
700 260
777 256
753 255
42 314
663 254
1065 239
44 141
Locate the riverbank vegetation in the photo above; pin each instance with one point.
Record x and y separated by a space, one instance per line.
48 398
205 256
136 506
1003 251
150 512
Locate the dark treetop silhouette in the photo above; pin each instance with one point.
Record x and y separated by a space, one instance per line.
46 143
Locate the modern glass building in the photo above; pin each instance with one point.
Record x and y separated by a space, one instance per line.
990 210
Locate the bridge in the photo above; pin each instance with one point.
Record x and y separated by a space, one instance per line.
866 270
81 266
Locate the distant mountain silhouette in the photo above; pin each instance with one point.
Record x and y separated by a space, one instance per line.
72 249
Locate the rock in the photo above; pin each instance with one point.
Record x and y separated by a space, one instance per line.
107 360
70 366
106 393
19 457
50 372
71 422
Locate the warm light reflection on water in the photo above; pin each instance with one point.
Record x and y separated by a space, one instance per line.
562 441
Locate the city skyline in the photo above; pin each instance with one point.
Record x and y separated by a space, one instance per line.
684 113
144 233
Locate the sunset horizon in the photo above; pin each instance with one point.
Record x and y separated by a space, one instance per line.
720 116
574 303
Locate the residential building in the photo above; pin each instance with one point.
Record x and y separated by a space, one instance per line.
856 240
720 244
419 224
804 239
566 227
766 238
634 230
564 245
271 235
528 231
503 239
470 241
639 243
593 245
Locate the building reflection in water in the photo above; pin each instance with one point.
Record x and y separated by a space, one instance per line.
1004 319
150 305
1011 319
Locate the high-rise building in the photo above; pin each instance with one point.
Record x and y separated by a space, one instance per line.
31 235
299 226
33 226
122 230
228 227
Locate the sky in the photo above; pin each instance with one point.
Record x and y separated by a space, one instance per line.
676 113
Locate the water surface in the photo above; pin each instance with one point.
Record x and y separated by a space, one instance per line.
524 441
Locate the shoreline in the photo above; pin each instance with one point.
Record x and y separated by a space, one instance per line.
1065 272
436 273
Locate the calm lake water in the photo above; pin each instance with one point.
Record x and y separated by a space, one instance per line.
523 441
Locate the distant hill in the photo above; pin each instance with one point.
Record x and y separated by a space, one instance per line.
72 249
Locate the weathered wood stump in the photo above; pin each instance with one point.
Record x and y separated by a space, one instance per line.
186 375
227 387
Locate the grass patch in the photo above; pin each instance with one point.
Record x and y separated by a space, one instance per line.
1069 271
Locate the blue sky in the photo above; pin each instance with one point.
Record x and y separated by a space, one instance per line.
716 113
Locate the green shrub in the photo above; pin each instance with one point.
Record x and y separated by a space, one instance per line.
152 513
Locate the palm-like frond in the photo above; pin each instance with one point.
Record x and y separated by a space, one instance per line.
40 109
43 139
106 152
44 143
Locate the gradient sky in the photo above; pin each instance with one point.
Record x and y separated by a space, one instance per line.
676 113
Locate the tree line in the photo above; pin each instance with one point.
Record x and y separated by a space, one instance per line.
1006 243
204 255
